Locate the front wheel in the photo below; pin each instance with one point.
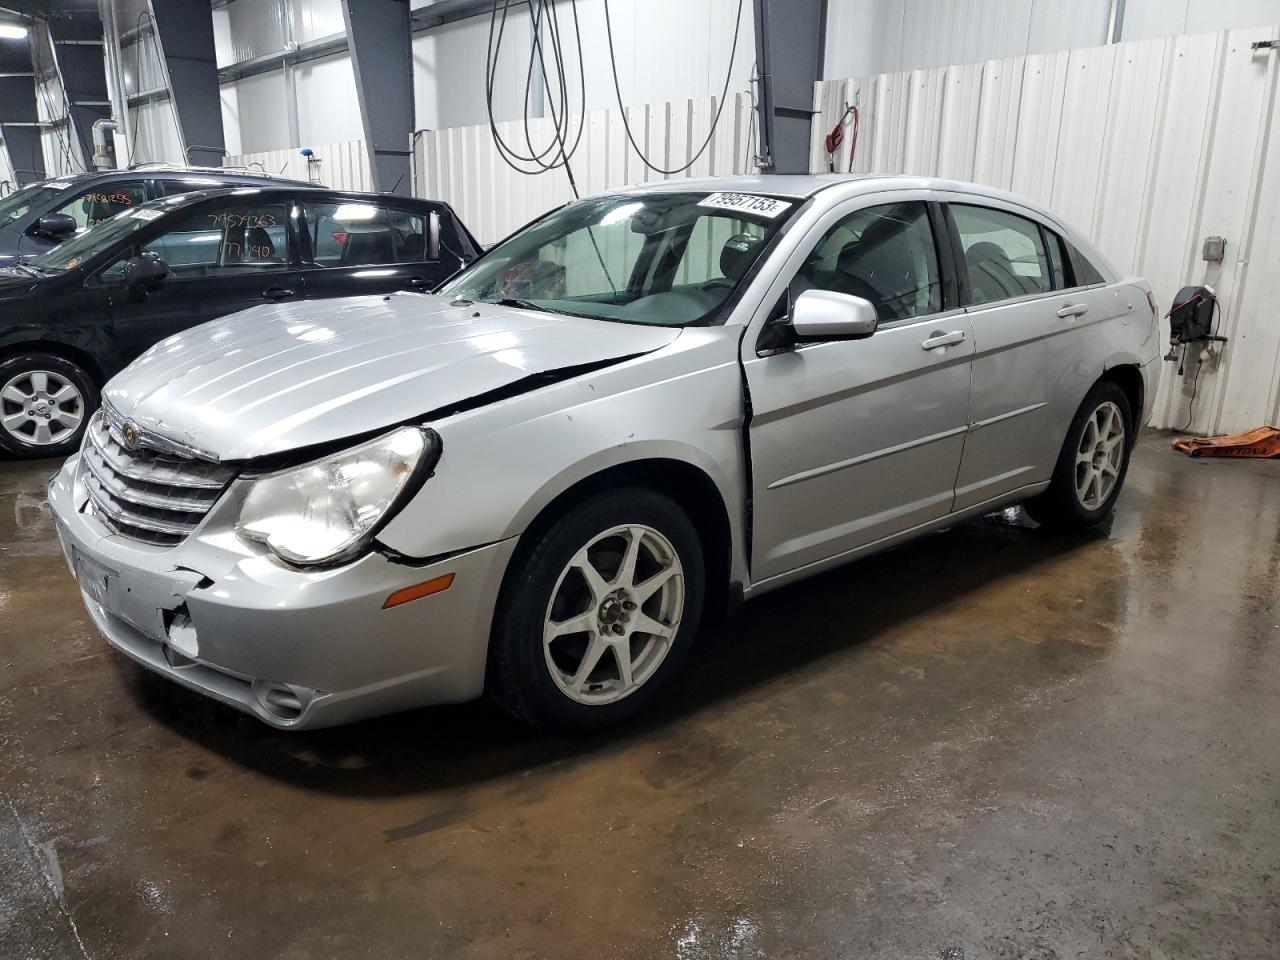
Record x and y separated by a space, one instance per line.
1092 465
45 403
598 614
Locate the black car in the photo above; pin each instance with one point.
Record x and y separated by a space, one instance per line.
72 317
37 218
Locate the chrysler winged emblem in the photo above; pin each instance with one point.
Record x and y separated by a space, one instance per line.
129 433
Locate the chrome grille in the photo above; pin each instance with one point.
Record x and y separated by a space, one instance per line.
143 494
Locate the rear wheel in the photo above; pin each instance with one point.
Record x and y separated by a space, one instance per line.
45 403
1093 463
596 617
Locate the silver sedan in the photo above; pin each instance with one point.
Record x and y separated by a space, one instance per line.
636 412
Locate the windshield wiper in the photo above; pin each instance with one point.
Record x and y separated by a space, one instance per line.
524 305
29 270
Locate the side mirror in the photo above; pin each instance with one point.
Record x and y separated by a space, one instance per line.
141 273
56 226
827 315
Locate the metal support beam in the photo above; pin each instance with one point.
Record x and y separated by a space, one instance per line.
290 77
18 118
1115 22
790 43
382 59
76 43
185 30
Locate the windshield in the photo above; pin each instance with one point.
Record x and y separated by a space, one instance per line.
96 239
16 205
669 259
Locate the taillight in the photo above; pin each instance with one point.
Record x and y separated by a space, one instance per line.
1151 302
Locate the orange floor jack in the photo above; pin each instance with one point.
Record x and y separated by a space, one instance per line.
1259 442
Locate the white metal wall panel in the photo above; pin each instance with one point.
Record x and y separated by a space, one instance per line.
656 63
1234 172
998 121
891 36
254 108
958 131
1148 147
328 107
1078 159
313 19
343 166
253 28
1130 157
924 105
155 134
461 165
1145 19
1044 81
888 148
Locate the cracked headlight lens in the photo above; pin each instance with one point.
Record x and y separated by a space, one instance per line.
328 511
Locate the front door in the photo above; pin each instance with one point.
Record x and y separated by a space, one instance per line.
854 441
87 208
223 257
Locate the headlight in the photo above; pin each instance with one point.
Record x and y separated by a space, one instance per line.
329 510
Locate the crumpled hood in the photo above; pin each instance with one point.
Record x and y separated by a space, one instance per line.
279 377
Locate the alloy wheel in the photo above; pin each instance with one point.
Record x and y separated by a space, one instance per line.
613 614
40 407
1100 455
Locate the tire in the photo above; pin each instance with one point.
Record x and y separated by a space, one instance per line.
45 405
540 680
1078 496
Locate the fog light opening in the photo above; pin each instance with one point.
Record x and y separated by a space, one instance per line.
284 701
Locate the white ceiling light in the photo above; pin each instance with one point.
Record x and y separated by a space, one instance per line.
12 31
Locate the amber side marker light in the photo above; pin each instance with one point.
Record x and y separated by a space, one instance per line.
418 591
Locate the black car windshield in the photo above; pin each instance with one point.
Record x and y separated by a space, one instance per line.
97 238
17 204
666 259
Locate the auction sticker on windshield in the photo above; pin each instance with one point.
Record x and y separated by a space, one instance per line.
746 203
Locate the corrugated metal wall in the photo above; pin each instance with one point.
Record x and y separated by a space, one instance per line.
343 166
666 50
1147 147
890 36
462 166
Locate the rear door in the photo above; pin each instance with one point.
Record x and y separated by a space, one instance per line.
370 246
1030 320
223 257
855 441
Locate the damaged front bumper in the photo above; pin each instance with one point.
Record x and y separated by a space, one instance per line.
297 649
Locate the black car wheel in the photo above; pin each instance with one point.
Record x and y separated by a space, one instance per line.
45 404
1092 465
598 613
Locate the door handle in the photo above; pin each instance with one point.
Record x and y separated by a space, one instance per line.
1073 310
937 340
415 282
277 293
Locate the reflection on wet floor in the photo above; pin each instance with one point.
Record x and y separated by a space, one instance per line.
992 743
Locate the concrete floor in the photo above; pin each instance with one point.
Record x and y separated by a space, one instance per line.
993 743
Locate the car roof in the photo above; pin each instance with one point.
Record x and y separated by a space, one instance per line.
148 172
179 201
803 186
